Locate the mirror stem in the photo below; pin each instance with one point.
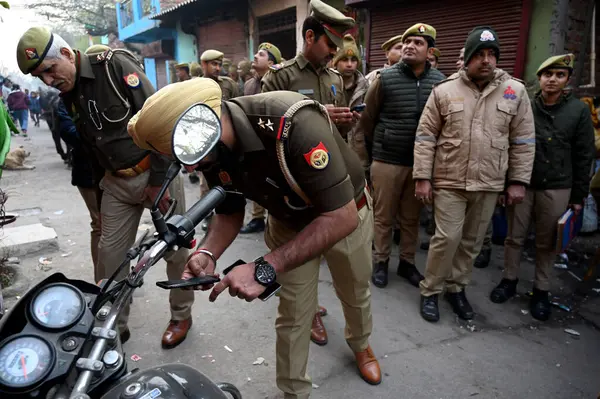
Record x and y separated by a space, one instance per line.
157 217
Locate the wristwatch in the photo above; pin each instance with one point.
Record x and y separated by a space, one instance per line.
264 272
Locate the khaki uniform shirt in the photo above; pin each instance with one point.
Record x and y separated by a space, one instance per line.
103 116
475 140
254 171
229 87
299 75
252 86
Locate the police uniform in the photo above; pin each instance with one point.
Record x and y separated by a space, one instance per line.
185 66
324 85
321 175
386 46
251 87
110 88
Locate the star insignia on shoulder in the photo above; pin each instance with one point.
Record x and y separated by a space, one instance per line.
269 124
261 123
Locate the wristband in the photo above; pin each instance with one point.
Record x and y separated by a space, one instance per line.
208 253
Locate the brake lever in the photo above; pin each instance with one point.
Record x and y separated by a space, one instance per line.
171 210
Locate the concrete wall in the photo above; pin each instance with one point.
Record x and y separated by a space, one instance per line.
538 48
185 46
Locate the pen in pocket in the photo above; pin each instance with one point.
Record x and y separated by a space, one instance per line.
334 91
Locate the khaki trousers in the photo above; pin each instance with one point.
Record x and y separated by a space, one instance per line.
123 203
258 212
461 219
92 198
351 266
394 197
545 207
487 239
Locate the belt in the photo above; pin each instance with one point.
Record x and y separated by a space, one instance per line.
362 201
136 170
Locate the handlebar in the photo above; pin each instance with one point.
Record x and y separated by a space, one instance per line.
181 229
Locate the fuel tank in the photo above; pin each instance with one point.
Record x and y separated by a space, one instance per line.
170 381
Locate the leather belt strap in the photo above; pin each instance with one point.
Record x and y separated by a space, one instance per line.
362 201
136 170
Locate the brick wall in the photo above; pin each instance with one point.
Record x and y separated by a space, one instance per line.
575 36
229 36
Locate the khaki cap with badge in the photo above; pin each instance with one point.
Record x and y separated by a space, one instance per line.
333 21
348 50
420 29
33 47
211 55
391 42
182 65
564 61
271 49
436 52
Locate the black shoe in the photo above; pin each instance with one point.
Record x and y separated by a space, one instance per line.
460 304
409 272
194 179
429 308
396 236
425 245
504 291
254 226
380 274
125 335
483 259
539 305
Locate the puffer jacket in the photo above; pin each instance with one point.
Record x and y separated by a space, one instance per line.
564 148
475 140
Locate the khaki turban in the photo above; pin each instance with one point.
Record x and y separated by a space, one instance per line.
152 127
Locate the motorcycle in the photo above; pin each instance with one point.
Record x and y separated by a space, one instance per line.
61 341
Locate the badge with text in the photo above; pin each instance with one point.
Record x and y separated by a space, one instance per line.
510 94
318 157
224 177
31 54
132 80
422 29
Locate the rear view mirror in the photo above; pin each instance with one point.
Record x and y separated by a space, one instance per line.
196 133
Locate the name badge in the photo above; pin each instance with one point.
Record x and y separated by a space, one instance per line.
306 92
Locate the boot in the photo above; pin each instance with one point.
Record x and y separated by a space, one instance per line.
254 226
504 291
429 308
409 272
460 304
539 305
380 274
483 259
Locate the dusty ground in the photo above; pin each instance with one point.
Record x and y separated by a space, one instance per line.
508 355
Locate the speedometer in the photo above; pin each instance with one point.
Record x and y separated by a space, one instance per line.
58 306
24 361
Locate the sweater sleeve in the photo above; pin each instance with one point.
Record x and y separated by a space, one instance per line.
582 155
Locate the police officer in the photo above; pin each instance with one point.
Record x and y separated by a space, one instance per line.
212 64
325 211
307 74
182 70
266 56
393 54
105 90
434 57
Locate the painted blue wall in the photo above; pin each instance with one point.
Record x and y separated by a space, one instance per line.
167 69
150 69
185 46
140 25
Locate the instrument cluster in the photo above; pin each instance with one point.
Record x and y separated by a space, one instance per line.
57 323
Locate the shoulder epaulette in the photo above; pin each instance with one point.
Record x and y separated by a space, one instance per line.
450 78
283 65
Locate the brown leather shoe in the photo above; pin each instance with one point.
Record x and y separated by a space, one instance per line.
175 333
322 311
318 334
368 366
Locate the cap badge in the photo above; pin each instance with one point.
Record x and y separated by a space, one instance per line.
567 60
487 36
31 54
422 29
349 52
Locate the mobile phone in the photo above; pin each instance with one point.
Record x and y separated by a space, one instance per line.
359 108
192 282
268 293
